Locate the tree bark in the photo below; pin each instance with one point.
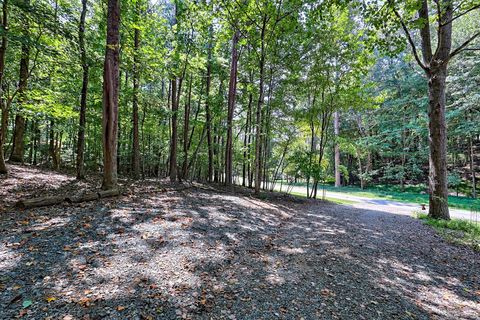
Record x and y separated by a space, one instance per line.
40 202
110 96
19 132
3 104
174 133
208 116
232 91
336 129
437 72
136 84
258 124
360 171
246 142
186 122
438 202
472 169
83 99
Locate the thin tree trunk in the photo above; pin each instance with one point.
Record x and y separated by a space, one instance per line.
110 96
404 154
232 91
360 171
280 164
258 125
136 84
83 100
472 169
37 143
216 143
32 141
312 151
174 133
3 104
336 129
208 115
246 140
186 122
19 132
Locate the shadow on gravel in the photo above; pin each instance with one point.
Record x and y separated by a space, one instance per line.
197 254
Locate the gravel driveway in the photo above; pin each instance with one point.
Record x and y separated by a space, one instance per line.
199 254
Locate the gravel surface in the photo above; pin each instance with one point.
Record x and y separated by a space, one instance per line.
157 253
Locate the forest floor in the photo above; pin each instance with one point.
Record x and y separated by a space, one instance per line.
162 251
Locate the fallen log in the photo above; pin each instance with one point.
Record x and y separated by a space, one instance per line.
83 197
108 193
89 196
40 202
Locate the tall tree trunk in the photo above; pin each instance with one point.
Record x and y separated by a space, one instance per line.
32 141
312 151
19 132
246 142
136 84
216 144
83 99
435 66
110 96
258 124
186 122
3 103
51 145
360 171
336 129
438 145
232 91
37 144
208 116
174 134
404 153
472 169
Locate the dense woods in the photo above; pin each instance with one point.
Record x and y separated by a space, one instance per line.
255 93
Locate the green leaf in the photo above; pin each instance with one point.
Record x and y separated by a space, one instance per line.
27 303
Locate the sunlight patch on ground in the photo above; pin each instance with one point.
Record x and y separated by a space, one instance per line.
418 286
46 223
8 257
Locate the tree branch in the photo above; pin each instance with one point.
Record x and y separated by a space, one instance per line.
463 45
410 39
460 15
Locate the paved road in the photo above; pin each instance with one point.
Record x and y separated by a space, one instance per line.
389 206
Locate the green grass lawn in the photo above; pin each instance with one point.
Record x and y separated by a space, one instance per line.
412 194
456 230
319 196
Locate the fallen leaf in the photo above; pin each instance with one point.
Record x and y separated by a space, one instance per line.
27 303
85 302
50 299
120 308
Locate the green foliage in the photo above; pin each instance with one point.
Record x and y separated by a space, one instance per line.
456 230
